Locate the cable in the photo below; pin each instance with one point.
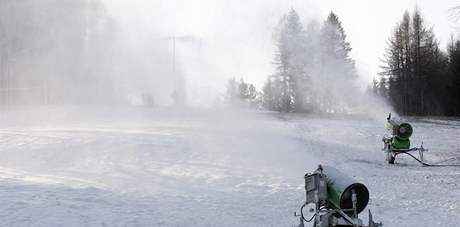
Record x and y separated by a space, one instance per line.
429 165
301 214
449 159
418 160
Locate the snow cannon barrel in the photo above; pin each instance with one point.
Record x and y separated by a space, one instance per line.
340 189
401 132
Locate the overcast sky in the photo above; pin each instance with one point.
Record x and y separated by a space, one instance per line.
237 34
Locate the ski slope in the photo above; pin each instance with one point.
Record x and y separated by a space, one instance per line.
165 167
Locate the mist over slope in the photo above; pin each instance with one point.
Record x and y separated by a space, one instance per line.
165 167
98 55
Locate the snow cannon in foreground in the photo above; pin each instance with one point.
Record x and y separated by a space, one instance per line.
338 199
398 140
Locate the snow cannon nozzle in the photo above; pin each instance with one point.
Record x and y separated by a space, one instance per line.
320 168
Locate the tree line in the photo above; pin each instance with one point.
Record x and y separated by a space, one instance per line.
315 73
418 78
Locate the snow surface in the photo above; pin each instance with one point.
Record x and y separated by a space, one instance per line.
146 167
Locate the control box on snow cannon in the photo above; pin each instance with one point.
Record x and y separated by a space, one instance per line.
338 199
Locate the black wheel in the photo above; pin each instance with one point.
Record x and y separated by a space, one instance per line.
391 160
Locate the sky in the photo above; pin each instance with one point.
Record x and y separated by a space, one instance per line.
235 37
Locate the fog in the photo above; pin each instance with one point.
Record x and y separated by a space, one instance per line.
148 53
233 38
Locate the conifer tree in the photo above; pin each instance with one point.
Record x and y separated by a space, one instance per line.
289 60
453 101
336 66
416 68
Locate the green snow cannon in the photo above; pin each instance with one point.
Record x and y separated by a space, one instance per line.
340 189
338 199
401 132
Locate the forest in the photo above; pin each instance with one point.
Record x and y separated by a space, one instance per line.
315 73
418 77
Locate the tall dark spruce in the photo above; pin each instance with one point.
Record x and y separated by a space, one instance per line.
415 68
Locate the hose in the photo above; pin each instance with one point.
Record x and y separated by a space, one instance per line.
429 165
301 214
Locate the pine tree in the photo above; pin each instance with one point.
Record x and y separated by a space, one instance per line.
397 62
252 92
268 96
382 89
379 87
241 94
243 90
334 47
337 67
307 100
290 61
416 68
453 101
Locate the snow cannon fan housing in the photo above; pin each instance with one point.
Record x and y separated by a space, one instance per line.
331 188
401 132
340 189
338 199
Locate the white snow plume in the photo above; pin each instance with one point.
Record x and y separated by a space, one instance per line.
336 83
85 56
347 97
315 71
336 78
215 40
117 51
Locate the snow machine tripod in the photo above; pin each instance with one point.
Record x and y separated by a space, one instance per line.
338 200
398 142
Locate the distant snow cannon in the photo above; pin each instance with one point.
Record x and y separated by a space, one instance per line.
400 133
338 199
398 141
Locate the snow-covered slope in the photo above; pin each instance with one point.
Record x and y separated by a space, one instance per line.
143 167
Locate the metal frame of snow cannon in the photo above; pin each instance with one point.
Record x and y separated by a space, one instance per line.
338 199
399 140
